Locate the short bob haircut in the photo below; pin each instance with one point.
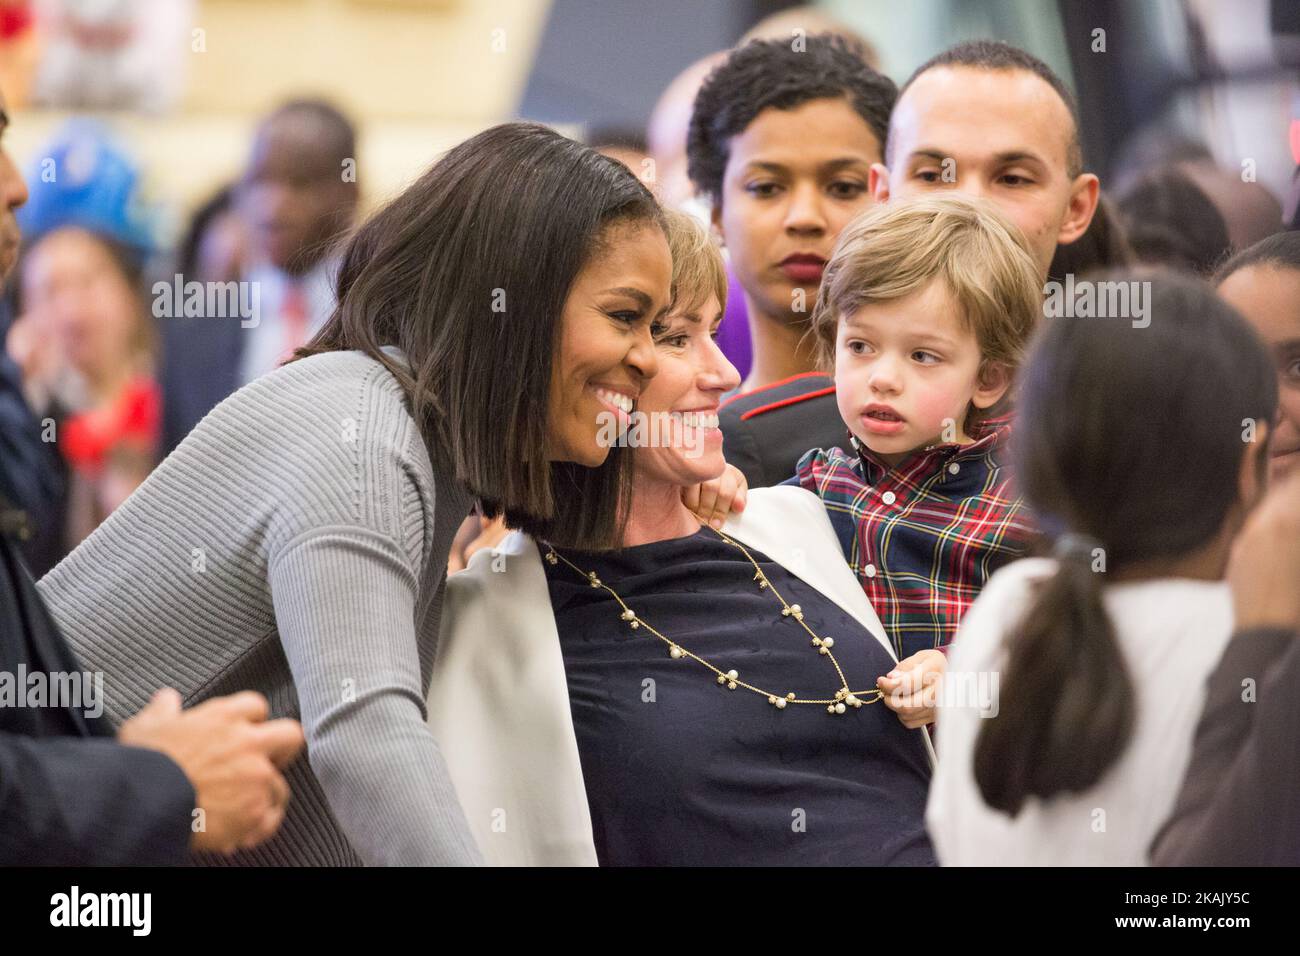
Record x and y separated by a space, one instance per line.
467 272
895 249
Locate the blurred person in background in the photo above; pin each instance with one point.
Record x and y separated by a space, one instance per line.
83 338
1103 245
1170 221
666 133
296 198
1263 284
1250 212
628 146
213 249
1238 805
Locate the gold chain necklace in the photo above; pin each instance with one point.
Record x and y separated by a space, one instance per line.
843 699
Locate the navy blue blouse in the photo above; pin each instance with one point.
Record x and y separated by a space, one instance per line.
682 771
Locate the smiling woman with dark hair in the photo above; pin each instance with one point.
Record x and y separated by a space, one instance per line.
296 542
696 696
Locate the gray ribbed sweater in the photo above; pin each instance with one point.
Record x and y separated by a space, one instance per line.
296 544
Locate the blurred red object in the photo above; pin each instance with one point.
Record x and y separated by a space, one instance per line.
15 19
133 421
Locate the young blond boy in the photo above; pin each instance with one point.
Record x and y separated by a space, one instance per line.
923 316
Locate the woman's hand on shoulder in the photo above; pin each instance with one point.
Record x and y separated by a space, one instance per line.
712 501
911 687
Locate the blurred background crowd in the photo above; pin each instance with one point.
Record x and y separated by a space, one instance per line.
165 142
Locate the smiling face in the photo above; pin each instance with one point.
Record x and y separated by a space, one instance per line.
907 370
1001 134
794 179
684 399
606 354
76 294
1269 298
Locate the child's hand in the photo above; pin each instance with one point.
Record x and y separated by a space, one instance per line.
713 500
910 687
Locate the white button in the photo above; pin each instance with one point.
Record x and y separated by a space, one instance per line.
954 468
870 570
888 498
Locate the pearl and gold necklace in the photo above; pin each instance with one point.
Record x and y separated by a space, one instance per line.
843 699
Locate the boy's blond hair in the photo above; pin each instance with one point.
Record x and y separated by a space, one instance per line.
698 269
895 249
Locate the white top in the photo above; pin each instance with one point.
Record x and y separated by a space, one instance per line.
1172 632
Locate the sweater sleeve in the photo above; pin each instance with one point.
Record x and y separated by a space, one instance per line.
1238 802
345 606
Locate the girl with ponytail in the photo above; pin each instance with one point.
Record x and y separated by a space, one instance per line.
1141 445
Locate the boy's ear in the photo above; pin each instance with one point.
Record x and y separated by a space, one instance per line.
878 182
993 382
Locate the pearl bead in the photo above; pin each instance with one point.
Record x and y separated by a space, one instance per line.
795 609
675 651
629 615
839 708
828 642
780 703
790 696
733 674
853 700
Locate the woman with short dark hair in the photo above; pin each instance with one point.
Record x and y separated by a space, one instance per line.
296 541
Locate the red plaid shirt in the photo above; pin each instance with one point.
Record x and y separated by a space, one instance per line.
924 536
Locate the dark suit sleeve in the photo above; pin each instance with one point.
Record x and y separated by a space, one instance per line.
1240 802
67 801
